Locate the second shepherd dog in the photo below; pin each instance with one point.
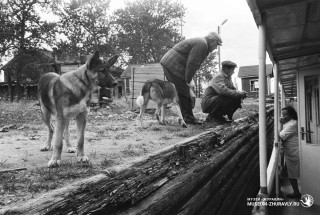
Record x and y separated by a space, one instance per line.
68 96
163 93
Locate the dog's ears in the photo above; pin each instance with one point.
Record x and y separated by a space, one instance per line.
94 60
113 60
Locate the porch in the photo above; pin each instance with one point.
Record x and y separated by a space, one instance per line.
289 30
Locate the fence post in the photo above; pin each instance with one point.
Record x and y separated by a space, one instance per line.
132 99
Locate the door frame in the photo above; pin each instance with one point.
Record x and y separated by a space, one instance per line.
309 152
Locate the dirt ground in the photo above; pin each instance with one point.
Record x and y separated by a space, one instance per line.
113 136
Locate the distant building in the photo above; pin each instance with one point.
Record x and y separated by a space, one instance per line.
249 76
25 68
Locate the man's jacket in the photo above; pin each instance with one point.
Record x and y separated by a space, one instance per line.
186 57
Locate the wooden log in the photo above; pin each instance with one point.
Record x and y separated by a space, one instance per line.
196 202
241 183
215 202
237 204
171 176
201 197
174 192
104 189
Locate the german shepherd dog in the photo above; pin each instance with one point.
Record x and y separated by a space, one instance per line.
67 96
163 93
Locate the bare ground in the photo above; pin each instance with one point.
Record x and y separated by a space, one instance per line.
113 137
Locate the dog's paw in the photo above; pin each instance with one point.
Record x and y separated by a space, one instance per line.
54 163
72 150
83 159
46 148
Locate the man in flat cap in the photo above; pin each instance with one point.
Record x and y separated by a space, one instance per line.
221 97
180 64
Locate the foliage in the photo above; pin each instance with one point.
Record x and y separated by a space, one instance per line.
140 33
85 25
206 71
22 26
23 29
146 28
31 63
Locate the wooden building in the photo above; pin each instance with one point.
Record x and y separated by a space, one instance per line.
139 74
249 76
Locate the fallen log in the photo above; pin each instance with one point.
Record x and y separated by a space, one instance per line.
153 185
202 196
185 184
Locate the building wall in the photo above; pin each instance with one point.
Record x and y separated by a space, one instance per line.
139 75
245 83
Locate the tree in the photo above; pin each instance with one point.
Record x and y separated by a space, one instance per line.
85 24
205 72
23 29
145 29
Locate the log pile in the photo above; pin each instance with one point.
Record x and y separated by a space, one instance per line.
211 173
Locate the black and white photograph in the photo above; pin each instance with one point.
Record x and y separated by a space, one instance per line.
160 107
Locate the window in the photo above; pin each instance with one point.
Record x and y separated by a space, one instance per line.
254 85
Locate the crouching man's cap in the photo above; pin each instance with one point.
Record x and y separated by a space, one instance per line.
228 63
215 36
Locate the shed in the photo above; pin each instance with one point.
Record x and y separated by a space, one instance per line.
249 79
139 74
31 63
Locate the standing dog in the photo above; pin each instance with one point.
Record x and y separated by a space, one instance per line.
162 92
67 96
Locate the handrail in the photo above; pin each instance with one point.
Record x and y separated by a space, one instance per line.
261 209
272 166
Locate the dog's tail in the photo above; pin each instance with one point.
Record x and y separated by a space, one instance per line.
140 100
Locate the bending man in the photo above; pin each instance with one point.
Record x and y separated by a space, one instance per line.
180 64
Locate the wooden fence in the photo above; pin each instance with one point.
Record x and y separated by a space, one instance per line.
211 173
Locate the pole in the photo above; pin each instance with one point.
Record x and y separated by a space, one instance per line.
181 19
219 56
262 111
276 123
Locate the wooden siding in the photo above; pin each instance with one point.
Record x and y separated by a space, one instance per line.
139 75
245 83
69 68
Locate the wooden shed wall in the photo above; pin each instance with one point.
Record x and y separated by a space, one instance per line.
139 75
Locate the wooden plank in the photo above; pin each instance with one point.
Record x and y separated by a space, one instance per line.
146 77
12 170
68 68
